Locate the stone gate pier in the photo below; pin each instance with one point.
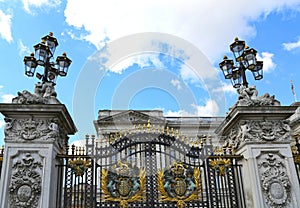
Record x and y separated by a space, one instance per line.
261 131
37 129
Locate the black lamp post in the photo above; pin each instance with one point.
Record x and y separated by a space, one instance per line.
43 56
245 58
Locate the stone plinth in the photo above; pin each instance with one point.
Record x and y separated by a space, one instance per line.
262 134
34 135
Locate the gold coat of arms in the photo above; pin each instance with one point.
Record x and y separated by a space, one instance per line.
179 183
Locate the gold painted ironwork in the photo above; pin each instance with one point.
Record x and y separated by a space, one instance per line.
1 153
220 165
180 198
124 197
295 149
156 129
79 165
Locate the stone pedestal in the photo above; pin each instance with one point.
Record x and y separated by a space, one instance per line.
262 134
34 135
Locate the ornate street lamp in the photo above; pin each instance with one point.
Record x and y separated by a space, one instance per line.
245 58
43 56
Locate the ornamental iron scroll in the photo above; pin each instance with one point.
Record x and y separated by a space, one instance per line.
124 183
25 185
179 183
276 185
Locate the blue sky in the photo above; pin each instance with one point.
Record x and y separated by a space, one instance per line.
150 54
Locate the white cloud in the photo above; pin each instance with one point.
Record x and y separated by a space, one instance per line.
44 4
23 50
142 60
292 45
206 24
2 123
267 58
226 88
5 26
7 98
176 83
209 109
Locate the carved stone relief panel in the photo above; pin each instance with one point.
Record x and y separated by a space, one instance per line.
26 180
275 183
28 129
259 131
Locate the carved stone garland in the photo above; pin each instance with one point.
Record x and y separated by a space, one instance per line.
274 180
247 131
25 185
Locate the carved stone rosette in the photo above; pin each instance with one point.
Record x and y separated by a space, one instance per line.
26 180
258 131
274 180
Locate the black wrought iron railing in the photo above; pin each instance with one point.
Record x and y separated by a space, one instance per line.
91 176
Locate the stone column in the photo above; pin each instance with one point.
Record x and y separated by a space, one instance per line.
262 135
35 133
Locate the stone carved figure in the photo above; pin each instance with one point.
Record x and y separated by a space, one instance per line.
25 184
248 96
249 131
44 93
274 180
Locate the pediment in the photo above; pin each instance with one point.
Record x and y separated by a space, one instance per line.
131 116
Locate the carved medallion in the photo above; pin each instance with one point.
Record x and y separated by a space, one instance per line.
25 185
275 182
123 183
179 183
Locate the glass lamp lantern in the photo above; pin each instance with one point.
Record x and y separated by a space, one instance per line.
30 65
63 63
257 70
236 78
237 47
226 66
42 53
249 57
52 74
51 42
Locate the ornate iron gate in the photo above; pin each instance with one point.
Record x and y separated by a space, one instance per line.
150 168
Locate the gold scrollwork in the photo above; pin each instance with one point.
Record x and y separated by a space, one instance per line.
220 165
79 166
129 188
186 184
